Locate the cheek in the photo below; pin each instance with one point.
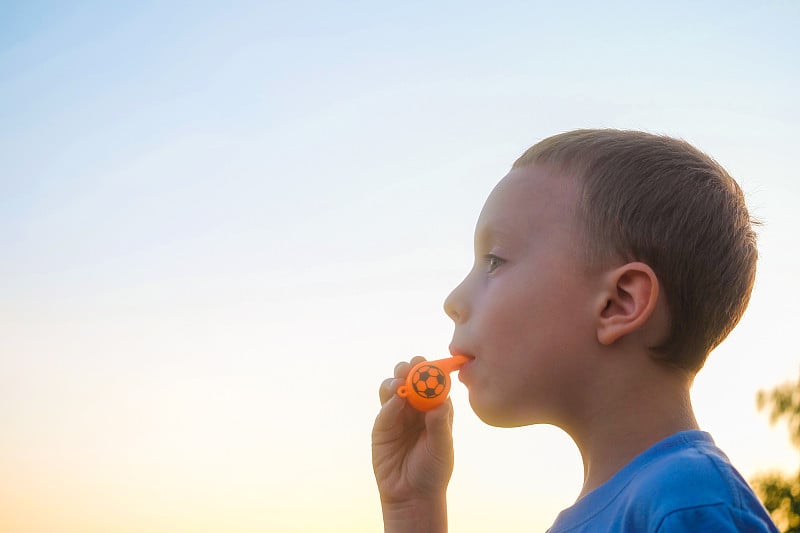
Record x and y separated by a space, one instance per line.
503 326
513 313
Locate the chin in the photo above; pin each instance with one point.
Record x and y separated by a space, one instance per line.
498 415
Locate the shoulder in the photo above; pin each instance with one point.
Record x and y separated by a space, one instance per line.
719 518
686 472
683 483
692 483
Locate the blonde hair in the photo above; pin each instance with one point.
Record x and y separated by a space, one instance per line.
661 201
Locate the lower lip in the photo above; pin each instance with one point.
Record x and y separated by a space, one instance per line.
463 373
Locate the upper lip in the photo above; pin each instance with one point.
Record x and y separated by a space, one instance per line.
455 350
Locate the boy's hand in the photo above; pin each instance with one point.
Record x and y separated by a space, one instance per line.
412 456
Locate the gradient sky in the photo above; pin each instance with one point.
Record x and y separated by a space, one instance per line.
221 226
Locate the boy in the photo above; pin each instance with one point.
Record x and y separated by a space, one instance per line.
608 264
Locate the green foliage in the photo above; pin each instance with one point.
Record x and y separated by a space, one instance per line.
784 402
781 497
781 494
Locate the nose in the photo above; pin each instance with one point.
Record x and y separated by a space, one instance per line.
455 304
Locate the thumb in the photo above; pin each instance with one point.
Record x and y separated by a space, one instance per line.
439 425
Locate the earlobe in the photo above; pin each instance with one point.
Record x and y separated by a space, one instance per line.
627 302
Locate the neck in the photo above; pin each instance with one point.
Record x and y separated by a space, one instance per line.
628 421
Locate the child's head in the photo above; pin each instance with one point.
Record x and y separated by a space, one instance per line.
661 201
598 240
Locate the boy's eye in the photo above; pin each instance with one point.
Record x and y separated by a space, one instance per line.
492 262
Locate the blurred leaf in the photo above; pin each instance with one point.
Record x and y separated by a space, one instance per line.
781 494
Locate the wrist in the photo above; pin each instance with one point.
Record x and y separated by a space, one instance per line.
421 515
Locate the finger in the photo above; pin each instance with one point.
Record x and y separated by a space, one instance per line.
388 388
401 369
388 415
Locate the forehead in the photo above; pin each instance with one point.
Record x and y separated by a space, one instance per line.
530 199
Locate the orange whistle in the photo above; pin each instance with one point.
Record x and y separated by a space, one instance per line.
428 383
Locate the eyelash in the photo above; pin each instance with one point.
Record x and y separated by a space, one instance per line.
493 262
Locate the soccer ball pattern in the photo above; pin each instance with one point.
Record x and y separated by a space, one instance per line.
429 381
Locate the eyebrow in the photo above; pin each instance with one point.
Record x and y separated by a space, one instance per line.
489 233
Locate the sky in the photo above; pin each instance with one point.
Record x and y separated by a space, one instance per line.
222 225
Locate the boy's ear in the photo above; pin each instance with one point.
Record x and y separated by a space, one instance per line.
628 300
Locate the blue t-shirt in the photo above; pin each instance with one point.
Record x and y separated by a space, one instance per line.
683 483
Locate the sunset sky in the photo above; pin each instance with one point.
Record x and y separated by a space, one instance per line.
222 224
